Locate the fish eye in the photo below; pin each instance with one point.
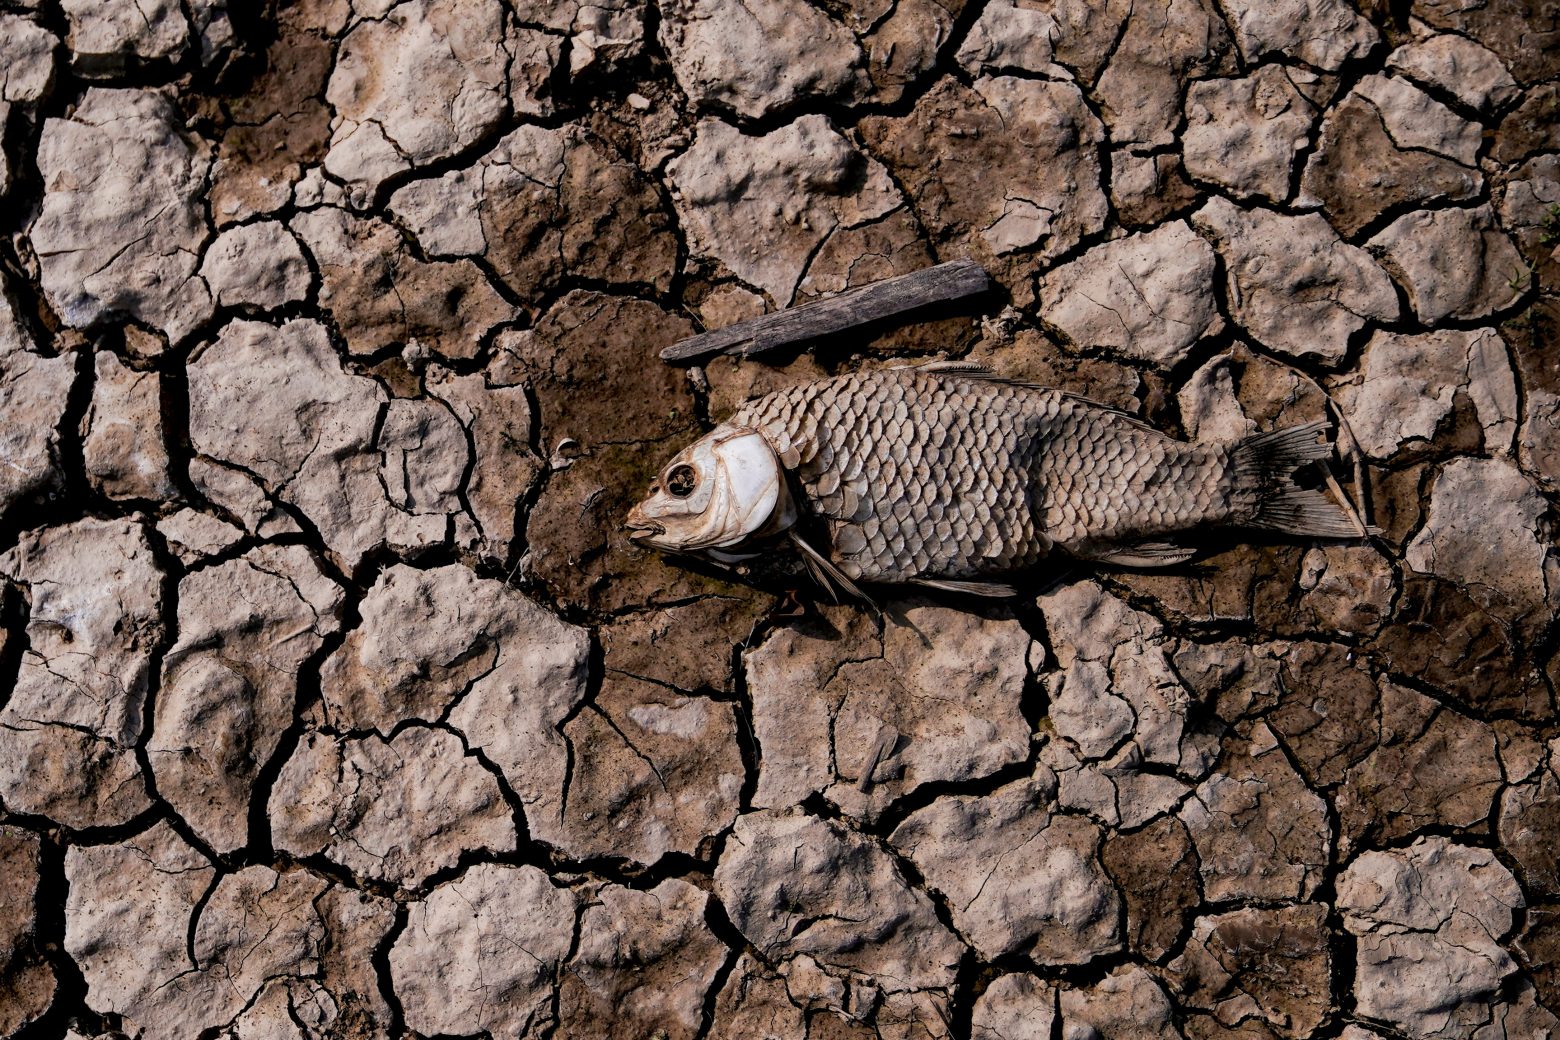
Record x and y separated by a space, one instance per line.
681 480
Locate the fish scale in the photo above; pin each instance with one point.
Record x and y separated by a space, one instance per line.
961 475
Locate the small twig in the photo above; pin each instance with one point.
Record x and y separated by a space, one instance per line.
892 296
1344 501
1349 448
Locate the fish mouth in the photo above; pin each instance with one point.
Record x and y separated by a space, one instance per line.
640 529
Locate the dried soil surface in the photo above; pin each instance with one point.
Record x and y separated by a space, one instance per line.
334 704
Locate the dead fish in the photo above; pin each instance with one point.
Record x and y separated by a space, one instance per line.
949 476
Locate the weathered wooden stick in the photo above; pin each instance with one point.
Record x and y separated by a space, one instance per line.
945 282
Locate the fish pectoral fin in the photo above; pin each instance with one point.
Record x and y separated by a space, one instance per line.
1145 554
825 573
991 589
820 577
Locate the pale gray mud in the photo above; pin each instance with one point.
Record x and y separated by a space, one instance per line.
334 703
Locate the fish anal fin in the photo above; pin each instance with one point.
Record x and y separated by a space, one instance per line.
1145 554
990 589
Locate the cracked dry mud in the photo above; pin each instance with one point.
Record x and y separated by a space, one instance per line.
334 703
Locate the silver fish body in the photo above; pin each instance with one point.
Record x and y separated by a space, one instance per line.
949 474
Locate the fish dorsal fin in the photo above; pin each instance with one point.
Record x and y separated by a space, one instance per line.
825 573
973 370
970 371
967 369
990 589
1125 416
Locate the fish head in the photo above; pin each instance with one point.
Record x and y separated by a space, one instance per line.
714 493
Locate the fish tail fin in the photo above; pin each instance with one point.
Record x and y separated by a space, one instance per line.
1263 467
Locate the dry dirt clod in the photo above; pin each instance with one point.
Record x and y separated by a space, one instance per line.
763 206
1293 285
29 981
107 35
482 952
120 228
1323 33
426 80
755 57
1453 263
69 728
644 964
229 686
1018 877
1269 965
1428 962
1244 133
278 403
415 805
1126 1003
258 265
1260 833
958 715
36 388
1459 65
1144 296
797 886
445 644
122 434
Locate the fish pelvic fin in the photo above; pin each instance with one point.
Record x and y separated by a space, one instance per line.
990 589
1145 554
825 573
1263 468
